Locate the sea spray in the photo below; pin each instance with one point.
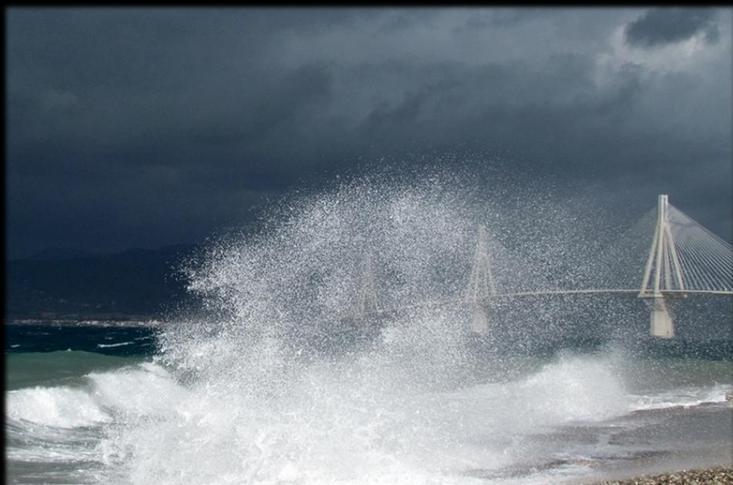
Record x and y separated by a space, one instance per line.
335 347
267 394
355 422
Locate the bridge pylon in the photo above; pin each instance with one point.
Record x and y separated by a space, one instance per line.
366 298
662 272
480 284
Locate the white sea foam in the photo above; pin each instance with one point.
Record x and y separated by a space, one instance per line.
60 407
142 390
572 388
345 421
120 344
147 390
258 401
682 397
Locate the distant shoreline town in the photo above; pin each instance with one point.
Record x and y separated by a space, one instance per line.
86 321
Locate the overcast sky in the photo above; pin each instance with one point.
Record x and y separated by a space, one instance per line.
146 127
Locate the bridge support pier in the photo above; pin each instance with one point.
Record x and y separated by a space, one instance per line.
480 320
661 324
366 298
481 287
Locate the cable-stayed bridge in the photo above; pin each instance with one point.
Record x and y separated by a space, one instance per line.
684 259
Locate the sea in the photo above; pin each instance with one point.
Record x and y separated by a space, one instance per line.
99 403
333 346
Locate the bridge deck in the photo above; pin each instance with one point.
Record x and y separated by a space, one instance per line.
609 290
521 294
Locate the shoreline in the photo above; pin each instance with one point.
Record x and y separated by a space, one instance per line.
670 446
718 475
102 323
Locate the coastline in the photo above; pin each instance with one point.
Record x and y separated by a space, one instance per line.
671 446
88 322
718 475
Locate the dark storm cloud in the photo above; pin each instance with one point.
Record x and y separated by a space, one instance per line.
668 25
146 127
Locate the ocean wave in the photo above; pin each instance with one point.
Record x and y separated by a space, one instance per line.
330 421
60 407
144 389
317 428
120 344
348 422
571 388
682 398
251 398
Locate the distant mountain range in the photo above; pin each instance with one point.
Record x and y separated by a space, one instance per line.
77 285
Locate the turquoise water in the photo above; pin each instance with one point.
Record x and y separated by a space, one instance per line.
569 415
65 368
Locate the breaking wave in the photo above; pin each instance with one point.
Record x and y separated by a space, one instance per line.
304 370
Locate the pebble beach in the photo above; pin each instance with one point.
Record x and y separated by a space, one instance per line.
715 476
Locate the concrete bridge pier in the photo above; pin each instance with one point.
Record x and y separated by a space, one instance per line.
480 320
661 324
481 286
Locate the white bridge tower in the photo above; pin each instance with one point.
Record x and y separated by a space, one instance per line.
663 272
480 284
366 298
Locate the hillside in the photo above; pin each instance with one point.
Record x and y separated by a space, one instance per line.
134 284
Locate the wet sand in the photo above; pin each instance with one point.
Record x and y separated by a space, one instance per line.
677 446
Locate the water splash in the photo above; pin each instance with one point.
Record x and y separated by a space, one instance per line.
284 383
